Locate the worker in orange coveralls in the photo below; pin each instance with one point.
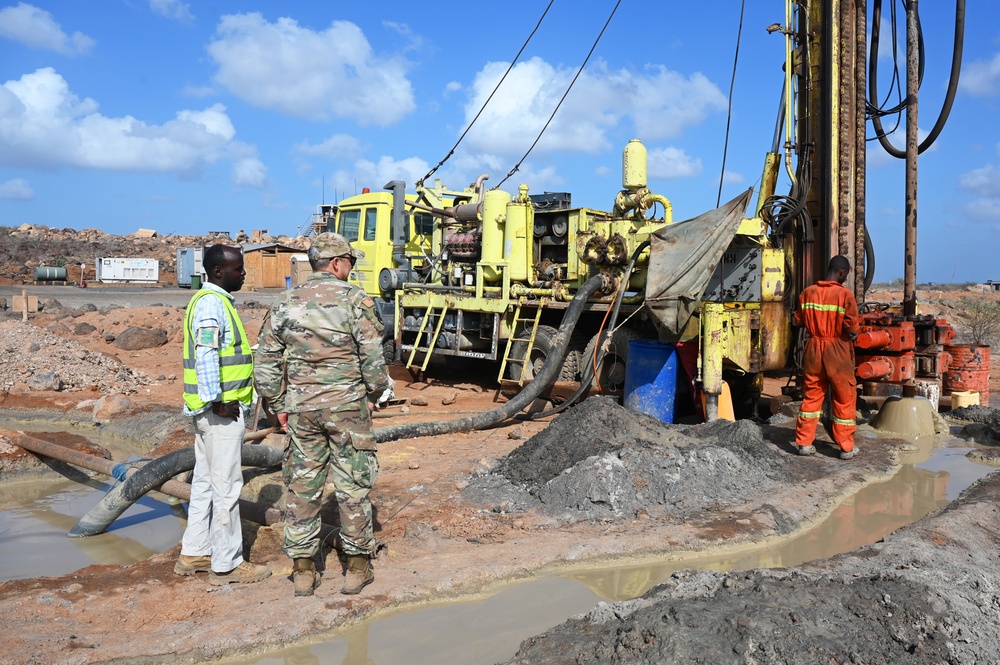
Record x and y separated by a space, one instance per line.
829 312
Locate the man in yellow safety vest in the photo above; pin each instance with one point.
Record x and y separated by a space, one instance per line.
218 390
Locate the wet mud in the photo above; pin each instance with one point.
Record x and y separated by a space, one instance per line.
603 462
925 594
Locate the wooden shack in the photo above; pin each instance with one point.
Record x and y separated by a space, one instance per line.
267 266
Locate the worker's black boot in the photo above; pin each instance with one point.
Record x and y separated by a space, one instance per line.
304 577
359 574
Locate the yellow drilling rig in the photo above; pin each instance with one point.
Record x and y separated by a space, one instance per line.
482 273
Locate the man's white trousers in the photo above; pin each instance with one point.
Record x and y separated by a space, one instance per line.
213 526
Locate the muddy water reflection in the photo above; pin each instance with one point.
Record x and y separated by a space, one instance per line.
35 516
490 630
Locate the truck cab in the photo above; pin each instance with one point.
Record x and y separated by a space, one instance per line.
397 243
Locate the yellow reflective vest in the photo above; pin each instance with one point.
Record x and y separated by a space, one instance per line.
235 359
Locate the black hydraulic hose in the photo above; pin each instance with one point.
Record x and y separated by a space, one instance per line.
949 100
544 379
869 260
154 474
588 373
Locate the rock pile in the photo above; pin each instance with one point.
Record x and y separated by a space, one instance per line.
45 361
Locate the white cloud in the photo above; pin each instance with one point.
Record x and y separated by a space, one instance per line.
172 9
250 172
657 103
17 189
309 74
984 181
981 77
44 125
413 42
365 173
36 28
338 147
983 210
452 86
198 91
668 163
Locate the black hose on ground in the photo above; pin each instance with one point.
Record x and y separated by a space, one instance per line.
544 379
151 476
588 373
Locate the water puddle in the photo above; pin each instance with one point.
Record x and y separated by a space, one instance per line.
489 630
36 514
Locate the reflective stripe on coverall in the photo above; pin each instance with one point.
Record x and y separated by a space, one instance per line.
828 311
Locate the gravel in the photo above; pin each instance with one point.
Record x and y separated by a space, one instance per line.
45 361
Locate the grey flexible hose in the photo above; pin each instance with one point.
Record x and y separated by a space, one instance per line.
151 476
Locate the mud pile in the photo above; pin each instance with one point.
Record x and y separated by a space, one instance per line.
976 414
601 461
926 594
45 361
982 426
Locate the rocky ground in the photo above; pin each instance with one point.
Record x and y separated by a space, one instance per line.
463 512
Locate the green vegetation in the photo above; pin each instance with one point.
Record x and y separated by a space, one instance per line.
981 317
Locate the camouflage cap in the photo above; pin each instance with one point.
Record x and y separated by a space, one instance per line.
329 245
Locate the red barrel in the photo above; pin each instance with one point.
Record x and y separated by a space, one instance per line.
969 370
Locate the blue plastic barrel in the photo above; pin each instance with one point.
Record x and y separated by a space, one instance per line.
651 378
288 281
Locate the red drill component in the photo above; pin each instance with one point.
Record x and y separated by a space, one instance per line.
874 339
877 368
885 368
887 335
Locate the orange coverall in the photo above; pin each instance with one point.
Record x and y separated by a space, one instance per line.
829 312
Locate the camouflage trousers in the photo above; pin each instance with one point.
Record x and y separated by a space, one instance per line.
337 444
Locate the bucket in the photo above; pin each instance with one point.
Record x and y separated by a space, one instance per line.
651 378
964 398
969 369
195 282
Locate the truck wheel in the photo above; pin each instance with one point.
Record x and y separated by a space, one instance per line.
611 374
540 353
389 351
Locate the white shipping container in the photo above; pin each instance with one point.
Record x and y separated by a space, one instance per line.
112 270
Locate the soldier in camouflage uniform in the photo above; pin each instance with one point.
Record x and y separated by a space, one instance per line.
319 365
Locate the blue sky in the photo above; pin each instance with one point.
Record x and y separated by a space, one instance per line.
188 117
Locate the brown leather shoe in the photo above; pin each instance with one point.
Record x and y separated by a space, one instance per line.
245 573
189 565
359 574
304 577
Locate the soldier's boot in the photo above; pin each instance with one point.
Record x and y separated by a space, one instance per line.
359 574
304 577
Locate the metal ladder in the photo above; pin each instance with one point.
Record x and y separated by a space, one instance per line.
533 322
420 331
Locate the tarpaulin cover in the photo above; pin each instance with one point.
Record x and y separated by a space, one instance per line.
683 257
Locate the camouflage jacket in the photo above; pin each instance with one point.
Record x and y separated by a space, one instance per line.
320 348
